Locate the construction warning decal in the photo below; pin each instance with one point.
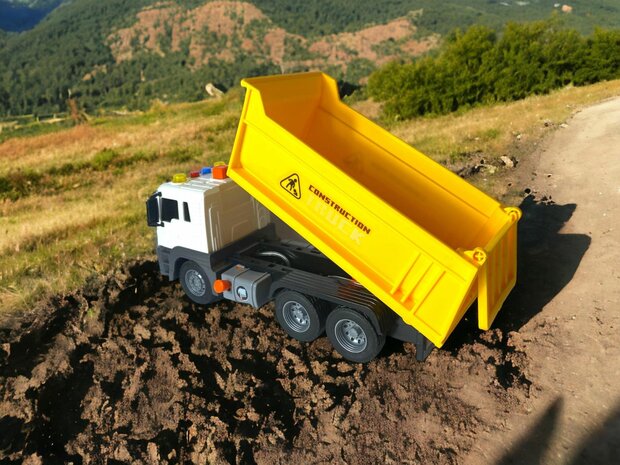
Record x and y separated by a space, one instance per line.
292 185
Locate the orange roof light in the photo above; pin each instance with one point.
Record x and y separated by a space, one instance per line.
220 172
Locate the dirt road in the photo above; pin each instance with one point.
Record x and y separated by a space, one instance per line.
127 370
573 342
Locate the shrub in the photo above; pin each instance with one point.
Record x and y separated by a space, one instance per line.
477 66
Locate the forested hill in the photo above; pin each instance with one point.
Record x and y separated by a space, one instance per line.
3 38
127 52
326 16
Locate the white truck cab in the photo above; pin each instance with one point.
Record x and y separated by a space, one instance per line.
197 216
204 212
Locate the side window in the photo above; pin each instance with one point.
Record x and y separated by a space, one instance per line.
169 210
186 212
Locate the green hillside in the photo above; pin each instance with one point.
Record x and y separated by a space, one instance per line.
327 16
330 16
69 54
3 38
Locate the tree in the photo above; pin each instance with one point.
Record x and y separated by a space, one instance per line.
476 66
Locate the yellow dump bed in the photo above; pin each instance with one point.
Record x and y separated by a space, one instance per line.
420 238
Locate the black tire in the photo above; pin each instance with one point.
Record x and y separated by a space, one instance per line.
353 336
302 317
195 283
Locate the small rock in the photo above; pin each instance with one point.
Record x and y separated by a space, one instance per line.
563 125
121 453
548 123
141 333
213 91
153 453
6 348
510 162
344 367
33 459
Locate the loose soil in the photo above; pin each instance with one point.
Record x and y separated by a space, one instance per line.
127 370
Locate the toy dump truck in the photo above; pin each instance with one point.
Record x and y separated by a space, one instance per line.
394 244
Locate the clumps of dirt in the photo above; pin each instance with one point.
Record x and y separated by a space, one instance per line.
127 370
470 164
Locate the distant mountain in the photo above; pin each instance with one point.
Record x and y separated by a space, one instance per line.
128 52
21 15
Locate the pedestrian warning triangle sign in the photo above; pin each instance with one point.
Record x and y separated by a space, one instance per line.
292 185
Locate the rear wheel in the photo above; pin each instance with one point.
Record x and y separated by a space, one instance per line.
353 336
195 283
300 316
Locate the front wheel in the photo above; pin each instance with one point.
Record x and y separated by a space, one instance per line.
300 316
195 283
353 336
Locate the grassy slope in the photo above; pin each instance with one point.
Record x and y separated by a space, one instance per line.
83 210
73 200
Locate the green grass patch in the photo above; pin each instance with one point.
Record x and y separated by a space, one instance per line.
185 154
102 160
489 134
23 183
19 184
34 129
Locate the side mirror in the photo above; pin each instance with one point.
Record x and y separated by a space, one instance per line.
152 210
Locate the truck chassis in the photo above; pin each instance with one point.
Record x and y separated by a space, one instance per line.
312 295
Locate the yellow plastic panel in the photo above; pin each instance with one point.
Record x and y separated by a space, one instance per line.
499 273
390 217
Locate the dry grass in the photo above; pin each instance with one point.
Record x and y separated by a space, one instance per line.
82 208
503 129
83 211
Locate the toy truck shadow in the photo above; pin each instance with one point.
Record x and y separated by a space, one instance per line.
547 262
599 447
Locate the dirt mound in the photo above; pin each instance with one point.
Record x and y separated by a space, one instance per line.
127 370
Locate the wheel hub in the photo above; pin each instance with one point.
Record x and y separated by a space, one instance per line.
351 336
296 316
195 283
